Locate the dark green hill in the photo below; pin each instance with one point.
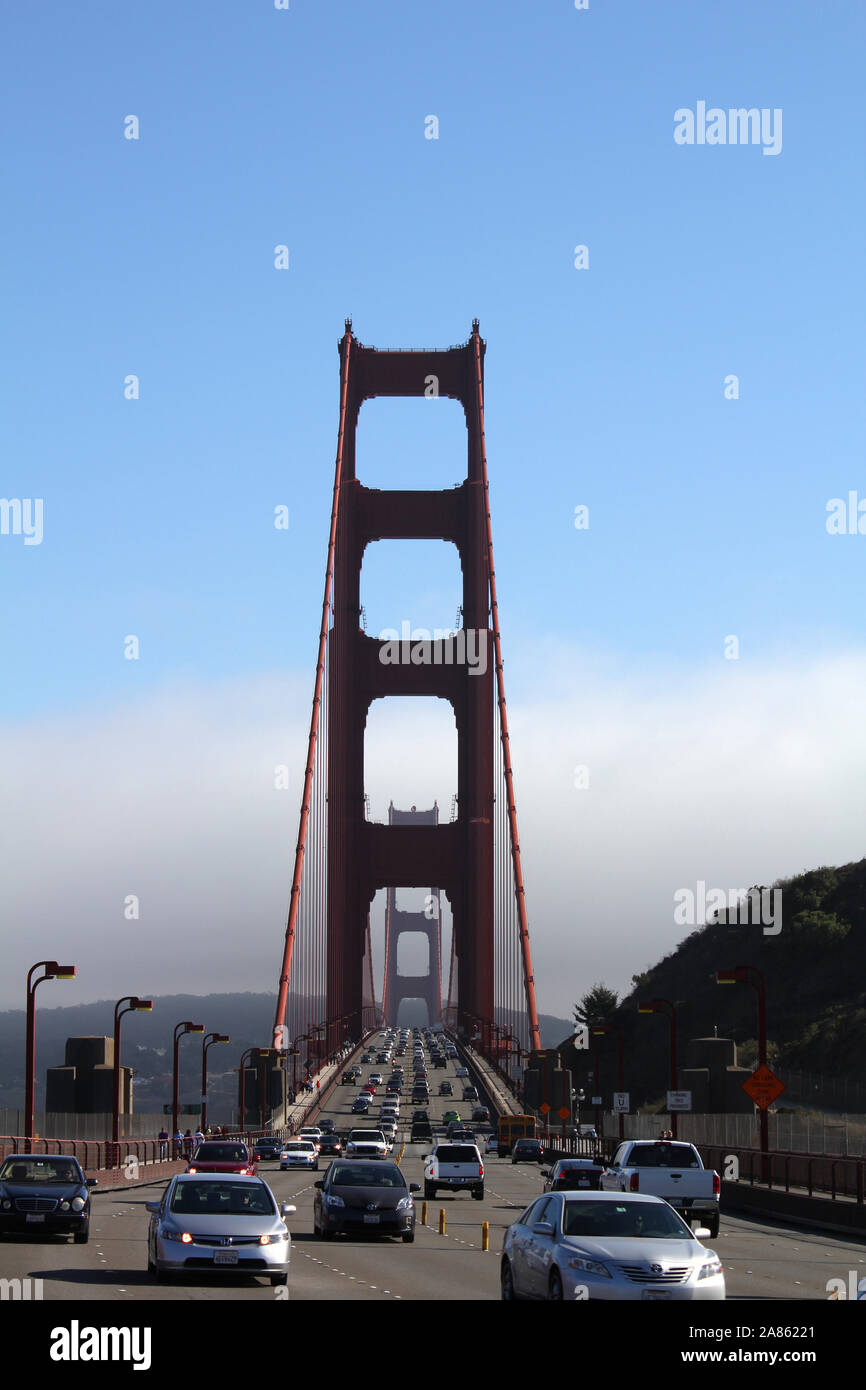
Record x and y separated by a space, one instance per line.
815 973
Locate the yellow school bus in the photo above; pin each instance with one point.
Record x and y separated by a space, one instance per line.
513 1127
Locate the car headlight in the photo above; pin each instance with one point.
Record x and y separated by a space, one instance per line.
405 1204
175 1235
64 1205
589 1266
7 1205
79 1203
334 1201
710 1268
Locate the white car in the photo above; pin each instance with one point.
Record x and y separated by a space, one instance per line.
314 1134
366 1143
461 1071
299 1153
607 1245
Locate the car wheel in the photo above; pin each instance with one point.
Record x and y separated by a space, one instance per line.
713 1226
81 1237
408 1237
429 1192
554 1291
279 1279
478 1194
507 1283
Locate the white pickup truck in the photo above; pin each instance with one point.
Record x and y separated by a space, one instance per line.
668 1169
454 1166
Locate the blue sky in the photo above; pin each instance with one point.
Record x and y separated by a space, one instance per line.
604 386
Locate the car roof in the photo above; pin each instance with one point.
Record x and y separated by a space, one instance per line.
611 1197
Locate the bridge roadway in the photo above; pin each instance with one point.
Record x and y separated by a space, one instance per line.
763 1260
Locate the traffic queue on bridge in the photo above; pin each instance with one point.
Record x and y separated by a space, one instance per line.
594 1230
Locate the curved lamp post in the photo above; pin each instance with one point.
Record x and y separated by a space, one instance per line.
133 1005
53 971
175 1108
208 1041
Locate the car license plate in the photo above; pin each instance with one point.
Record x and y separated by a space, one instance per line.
371 1220
225 1257
33 1216
656 1293
583 1182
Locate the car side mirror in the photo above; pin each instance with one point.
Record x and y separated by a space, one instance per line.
153 1206
286 1209
320 1183
414 1187
91 1182
543 1228
702 1233
545 1172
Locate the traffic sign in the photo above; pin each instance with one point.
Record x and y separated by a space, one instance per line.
620 1102
763 1087
679 1100
564 1113
597 1100
544 1107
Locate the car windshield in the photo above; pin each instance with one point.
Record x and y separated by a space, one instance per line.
624 1220
222 1199
17 1169
221 1153
457 1153
365 1175
663 1156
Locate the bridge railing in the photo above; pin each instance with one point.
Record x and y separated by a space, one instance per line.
97 1155
824 1173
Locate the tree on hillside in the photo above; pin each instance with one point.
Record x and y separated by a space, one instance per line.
595 1006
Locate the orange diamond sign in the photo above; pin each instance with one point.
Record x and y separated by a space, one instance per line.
544 1107
763 1087
564 1113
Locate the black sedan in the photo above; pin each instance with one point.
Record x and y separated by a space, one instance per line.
330 1146
267 1148
45 1194
528 1151
364 1197
572 1174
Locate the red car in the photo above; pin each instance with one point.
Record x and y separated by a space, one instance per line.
370 1089
223 1156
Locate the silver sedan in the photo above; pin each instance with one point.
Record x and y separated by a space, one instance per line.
218 1223
607 1245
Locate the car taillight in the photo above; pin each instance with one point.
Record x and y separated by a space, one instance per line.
717 1185
481 1174
192 1170
634 1182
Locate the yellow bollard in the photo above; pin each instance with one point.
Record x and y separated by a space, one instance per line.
485 1235
423 1213
441 1221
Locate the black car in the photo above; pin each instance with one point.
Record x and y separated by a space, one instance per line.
327 1126
365 1197
45 1194
267 1148
330 1146
528 1151
571 1174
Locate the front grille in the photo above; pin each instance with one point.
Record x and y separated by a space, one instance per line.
36 1203
641 1274
226 1242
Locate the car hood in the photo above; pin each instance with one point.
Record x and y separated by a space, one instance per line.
213 1222
637 1250
384 1198
63 1191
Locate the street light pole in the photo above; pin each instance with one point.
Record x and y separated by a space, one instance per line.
615 1028
186 1027
741 975
208 1041
134 1005
53 971
662 1006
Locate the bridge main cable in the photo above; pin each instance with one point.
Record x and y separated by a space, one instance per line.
528 979
300 849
